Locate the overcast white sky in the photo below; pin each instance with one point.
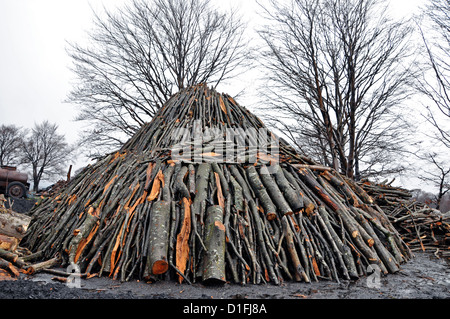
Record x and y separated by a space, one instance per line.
34 66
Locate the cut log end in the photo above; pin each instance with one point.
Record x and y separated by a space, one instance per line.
160 267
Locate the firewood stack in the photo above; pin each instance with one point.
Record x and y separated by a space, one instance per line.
421 227
191 197
13 258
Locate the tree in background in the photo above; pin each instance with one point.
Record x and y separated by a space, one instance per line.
337 79
11 138
435 84
437 173
142 54
45 151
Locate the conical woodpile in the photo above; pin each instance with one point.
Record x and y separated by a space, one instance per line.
205 193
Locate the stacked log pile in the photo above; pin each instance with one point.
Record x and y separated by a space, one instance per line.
14 259
53 189
422 228
143 212
22 261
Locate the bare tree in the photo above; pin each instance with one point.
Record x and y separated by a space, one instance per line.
435 84
437 173
142 54
45 151
10 139
336 81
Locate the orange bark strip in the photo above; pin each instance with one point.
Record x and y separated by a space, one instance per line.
116 246
296 226
222 105
14 270
98 210
159 180
182 246
80 249
114 157
132 195
220 198
72 199
148 174
354 249
219 225
241 230
83 243
327 198
316 268
109 184
4 275
232 100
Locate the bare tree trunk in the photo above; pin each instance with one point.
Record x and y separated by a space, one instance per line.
144 53
45 151
336 82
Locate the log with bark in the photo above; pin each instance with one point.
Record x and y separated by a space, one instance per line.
185 199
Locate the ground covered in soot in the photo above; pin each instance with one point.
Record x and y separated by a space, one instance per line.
423 277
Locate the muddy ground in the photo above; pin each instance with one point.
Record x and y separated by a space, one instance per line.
20 205
423 277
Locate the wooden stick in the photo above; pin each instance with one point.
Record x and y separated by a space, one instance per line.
32 269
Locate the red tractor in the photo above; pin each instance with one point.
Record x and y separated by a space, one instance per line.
13 183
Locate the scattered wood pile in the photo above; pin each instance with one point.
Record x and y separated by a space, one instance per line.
173 204
52 189
422 228
13 226
14 259
22 261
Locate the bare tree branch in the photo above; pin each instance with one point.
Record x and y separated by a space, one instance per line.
436 172
10 139
143 53
337 70
435 84
45 151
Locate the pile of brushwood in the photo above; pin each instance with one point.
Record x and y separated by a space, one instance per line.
204 193
422 228
14 259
